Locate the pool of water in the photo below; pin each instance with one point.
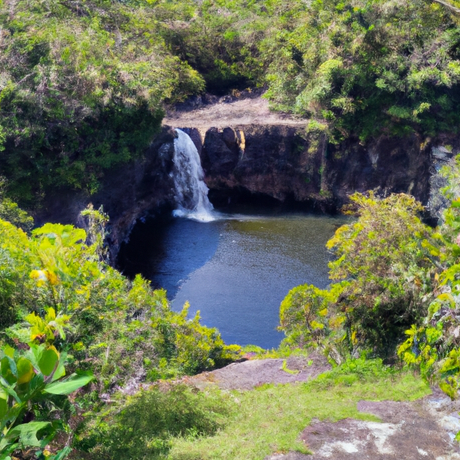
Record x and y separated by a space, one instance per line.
236 269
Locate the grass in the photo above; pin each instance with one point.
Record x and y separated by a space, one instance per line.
270 418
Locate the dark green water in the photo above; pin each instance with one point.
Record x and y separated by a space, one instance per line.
236 270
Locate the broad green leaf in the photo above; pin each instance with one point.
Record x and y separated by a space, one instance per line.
25 370
74 382
35 354
60 369
27 433
34 320
12 414
8 351
8 370
37 383
3 403
48 360
9 389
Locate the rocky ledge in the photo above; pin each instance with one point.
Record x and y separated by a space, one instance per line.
419 430
284 163
248 151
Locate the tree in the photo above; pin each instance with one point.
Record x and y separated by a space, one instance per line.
385 281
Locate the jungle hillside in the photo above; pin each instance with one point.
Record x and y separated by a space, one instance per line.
94 365
84 83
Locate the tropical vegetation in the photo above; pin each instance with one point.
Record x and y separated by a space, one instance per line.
90 360
397 277
63 310
84 83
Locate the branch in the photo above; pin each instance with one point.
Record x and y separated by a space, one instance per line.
26 77
451 7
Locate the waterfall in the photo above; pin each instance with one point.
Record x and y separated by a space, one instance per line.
191 193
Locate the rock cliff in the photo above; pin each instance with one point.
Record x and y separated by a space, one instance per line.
286 164
247 149
244 156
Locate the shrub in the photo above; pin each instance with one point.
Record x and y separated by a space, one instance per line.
385 276
142 427
81 91
119 328
34 388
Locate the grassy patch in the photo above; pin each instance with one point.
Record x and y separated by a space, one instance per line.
283 351
270 418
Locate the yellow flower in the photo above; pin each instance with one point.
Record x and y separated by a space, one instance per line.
40 276
52 278
43 276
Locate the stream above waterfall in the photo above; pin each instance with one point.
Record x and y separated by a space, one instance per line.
236 269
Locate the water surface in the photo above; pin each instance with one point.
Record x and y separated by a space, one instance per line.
236 270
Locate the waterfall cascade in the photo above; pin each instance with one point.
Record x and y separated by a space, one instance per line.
191 193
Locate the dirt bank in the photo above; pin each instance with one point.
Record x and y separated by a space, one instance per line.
230 112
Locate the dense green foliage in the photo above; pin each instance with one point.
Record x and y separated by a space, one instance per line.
400 280
368 68
83 83
433 345
81 88
361 68
33 390
11 212
113 319
385 281
59 300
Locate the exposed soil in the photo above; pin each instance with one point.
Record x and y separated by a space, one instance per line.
233 112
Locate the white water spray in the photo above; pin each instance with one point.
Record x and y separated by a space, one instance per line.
191 193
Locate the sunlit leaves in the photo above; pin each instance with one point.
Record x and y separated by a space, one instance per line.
69 385
75 298
81 90
384 280
303 312
25 379
48 361
396 65
72 300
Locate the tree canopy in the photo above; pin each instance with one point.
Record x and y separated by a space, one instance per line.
83 83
